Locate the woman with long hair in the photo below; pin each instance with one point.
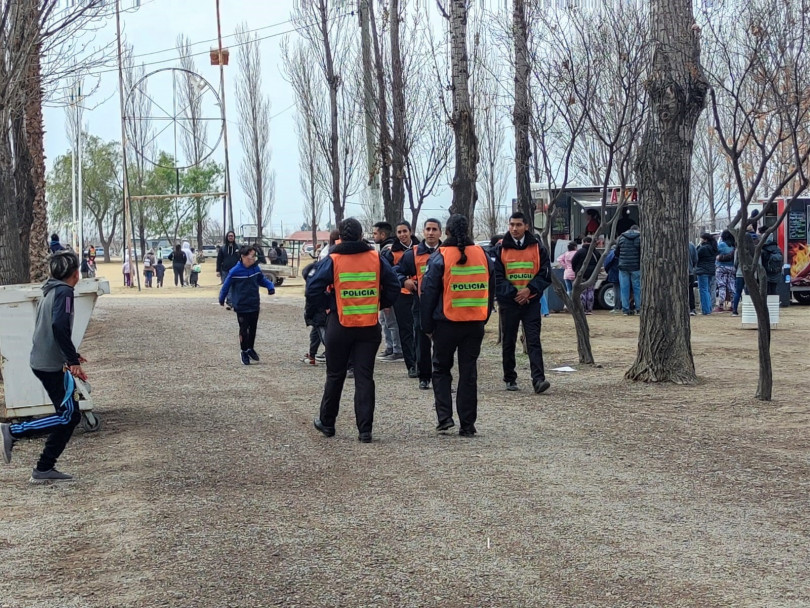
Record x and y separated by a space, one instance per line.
457 299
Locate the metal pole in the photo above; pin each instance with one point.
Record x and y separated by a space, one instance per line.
74 233
79 191
127 223
229 199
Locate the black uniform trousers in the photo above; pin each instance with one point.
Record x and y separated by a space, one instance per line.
466 337
423 347
511 316
404 312
360 345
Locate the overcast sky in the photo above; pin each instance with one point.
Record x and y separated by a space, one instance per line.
155 27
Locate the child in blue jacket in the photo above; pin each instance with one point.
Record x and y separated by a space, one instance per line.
243 283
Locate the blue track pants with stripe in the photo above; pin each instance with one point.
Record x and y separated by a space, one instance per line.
59 427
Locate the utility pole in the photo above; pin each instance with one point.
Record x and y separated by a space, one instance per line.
373 183
79 198
228 198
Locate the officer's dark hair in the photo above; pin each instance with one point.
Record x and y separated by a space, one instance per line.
63 264
434 220
405 223
351 230
457 227
246 249
384 227
519 215
54 237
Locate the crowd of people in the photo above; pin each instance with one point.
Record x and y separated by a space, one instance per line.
429 300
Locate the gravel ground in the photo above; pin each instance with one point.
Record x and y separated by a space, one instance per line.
208 486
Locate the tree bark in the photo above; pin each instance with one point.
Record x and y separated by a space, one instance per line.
333 80
677 90
384 148
465 194
520 113
398 151
35 241
12 267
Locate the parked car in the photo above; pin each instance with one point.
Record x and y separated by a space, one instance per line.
99 252
209 251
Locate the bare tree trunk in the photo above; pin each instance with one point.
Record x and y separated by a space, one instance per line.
466 171
35 138
520 114
677 90
368 100
382 123
12 267
334 83
398 151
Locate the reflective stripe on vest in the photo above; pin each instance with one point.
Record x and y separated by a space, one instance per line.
357 288
521 265
466 287
420 263
397 258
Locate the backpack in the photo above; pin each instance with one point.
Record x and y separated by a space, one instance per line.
772 259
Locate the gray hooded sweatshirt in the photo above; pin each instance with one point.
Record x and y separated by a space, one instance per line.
53 345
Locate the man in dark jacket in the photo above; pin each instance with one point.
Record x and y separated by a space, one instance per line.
772 261
361 283
383 234
227 258
628 250
577 262
55 245
406 309
522 273
55 362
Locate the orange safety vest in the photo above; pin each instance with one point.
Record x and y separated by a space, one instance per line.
420 263
397 257
357 288
466 288
521 265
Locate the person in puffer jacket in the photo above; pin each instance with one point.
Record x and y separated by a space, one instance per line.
706 254
242 285
724 270
628 250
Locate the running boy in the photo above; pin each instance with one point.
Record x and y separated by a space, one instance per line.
54 361
243 284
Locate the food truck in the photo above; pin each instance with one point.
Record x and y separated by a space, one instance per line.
570 218
791 235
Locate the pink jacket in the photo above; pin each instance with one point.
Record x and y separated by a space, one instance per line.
565 261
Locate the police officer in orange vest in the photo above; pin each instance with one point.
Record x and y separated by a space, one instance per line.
409 271
522 273
353 282
457 299
405 308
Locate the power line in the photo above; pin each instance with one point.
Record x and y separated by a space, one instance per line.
276 35
171 49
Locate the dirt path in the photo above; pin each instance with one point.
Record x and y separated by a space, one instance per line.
208 486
